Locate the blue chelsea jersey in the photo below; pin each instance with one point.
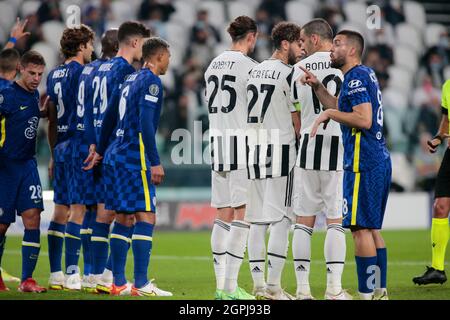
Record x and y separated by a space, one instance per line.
19 120
363 148
62 87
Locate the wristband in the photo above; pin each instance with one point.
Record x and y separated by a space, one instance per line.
12 40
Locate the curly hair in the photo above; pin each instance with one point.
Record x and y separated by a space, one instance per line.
73 38
240 27
285 31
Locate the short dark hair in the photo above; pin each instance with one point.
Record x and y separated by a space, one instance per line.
355 37
32 57
240 27
8 60
152 47
110 43
320 27
130 29
285 31
73 38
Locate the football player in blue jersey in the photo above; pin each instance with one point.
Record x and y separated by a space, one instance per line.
367 163
62 87
107 83
134 167
83 189
20 186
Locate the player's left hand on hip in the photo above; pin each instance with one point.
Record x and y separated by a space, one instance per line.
157 174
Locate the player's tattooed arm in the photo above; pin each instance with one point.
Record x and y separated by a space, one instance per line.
51 133
328 100
17 32
440 136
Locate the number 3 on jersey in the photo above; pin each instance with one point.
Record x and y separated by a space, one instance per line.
224 87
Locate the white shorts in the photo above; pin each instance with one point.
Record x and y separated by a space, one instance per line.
269 200
317 192
229 188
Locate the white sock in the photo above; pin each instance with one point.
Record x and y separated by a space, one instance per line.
237 242
257 253
334 251
276 252
301 252
219 238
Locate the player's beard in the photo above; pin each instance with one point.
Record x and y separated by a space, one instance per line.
292 58
337 63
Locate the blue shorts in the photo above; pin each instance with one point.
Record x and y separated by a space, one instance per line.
99 183
61 181
365 197
132 190
82 187
20 188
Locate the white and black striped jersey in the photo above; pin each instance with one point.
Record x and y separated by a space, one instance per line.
271 149
325 151
226 96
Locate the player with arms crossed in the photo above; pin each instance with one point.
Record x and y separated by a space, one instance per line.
226 95
107 83
367 163
271 157
62 87
136 169
20 186
83 190
441 208
318 172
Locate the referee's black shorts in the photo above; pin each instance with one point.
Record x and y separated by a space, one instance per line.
443 178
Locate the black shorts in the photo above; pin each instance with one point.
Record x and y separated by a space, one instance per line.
443 178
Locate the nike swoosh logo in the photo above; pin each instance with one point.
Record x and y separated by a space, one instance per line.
23 107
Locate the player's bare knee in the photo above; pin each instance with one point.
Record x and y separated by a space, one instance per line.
225 214
31 219
3 228
60 214
239 213
148 217
307 221
125 219
441 208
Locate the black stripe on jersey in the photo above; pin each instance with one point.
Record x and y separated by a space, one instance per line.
289 78
234 150
303 151
334 149
269 161
291 175
247 153
295 92
286 192
284 160
318 152
256 163
211 149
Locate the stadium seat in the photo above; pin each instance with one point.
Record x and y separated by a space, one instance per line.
405 57
8 14
393 99
355 11
238 8
3 35
218 49
225 36
400 78
184 13
352 25
29 7
415 14
298 12
49 53
52 32
408 35
122 11
176 56
433 32
15 3
313 4
216 11
402 172
177 35
447 72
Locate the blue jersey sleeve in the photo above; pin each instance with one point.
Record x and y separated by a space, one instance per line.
149 109
109 123
358 90
5 98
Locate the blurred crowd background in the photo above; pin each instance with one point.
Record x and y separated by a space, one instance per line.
410 53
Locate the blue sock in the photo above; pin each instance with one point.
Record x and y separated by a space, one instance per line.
382 264
109 262
31 245
366 269
2 246
119 250
73 245
142 249
55 238
99 245
85 235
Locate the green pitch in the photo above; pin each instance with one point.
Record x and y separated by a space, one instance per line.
181 262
